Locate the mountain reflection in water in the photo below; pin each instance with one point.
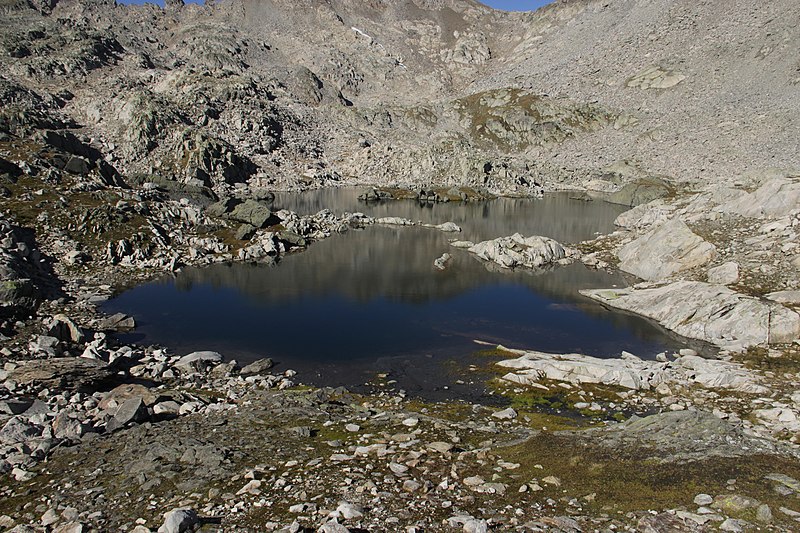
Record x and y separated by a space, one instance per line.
374 293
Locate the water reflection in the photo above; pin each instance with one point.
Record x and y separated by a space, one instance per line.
558 216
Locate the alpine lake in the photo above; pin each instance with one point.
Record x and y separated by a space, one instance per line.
370 303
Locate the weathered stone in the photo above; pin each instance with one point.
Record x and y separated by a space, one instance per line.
166 408
703 499
505 414
518 251
16 406
222 207
252 213
131 410
661 523
646 215
666 250
764 514
629 371
333 526
64 329
449 227
712 313
66 427
118 322
70 373
127 391
45 344
476 526
348 511
724 274
785 297
69 527
394 221
787 481
442 262
197 361
440 446
18 430
656 77
257 367
778 197
245 232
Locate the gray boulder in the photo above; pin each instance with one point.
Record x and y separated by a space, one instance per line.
257 367
118 322
70 373
724 274
222 207
18 430
245 232
253 213
67 427
778 197
664 251
785 297
196 361
132 410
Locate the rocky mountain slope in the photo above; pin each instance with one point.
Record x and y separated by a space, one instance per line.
416 92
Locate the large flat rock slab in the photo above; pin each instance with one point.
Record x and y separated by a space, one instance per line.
712 313
70 373
630 371
668 249
776 198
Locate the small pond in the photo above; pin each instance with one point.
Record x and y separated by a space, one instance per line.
371 301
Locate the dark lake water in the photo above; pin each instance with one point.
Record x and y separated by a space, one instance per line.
371 301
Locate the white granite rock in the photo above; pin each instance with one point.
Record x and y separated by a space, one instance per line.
708 312
664 251
518 251
630 371
724 274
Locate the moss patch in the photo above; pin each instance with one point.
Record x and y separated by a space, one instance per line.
629 481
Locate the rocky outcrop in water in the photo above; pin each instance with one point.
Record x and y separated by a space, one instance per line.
518 251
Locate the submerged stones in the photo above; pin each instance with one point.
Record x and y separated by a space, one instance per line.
442 262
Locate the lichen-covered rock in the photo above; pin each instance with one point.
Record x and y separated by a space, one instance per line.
253 213
656 78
